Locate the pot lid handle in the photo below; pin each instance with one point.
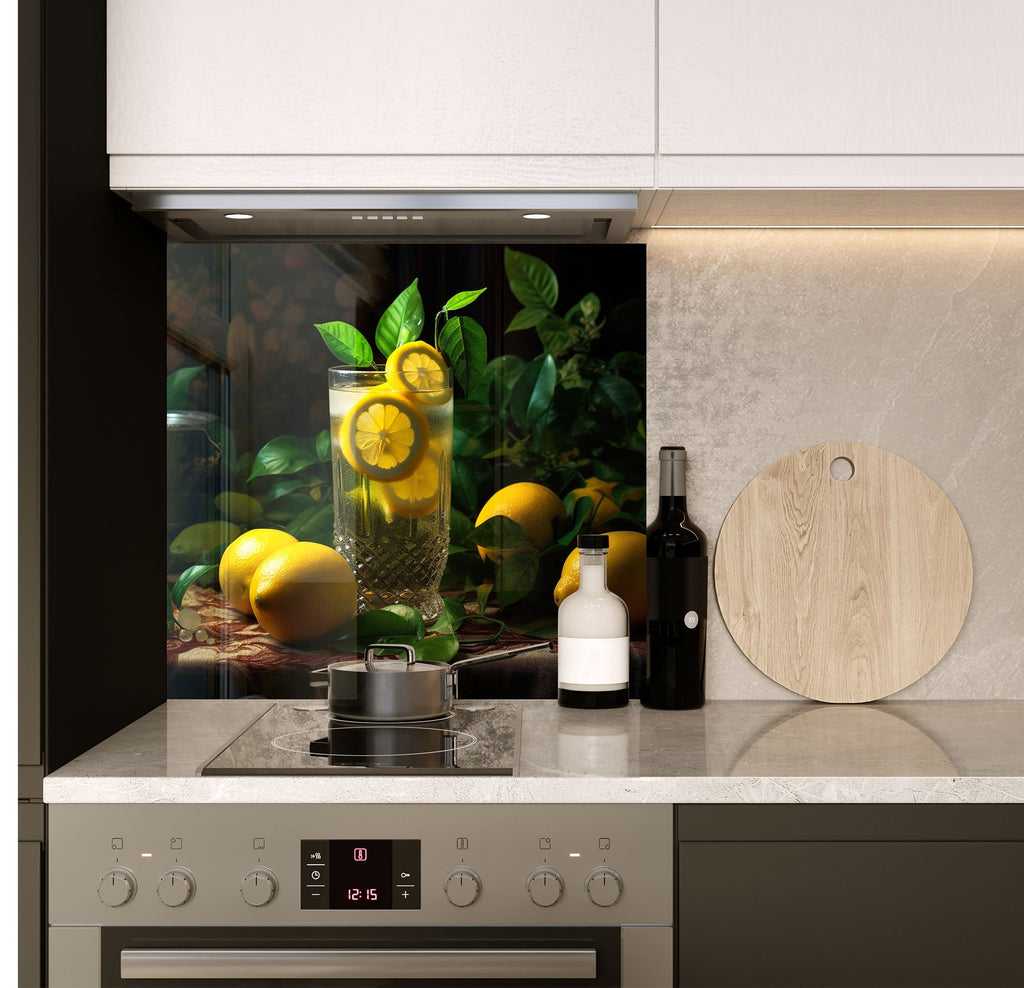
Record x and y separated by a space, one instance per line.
410 654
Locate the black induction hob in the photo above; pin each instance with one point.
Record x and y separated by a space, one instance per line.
296 737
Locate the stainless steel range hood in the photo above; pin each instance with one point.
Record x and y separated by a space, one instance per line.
584 217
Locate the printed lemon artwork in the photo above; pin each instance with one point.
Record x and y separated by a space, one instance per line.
449 486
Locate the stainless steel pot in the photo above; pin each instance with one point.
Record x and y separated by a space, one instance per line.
393 690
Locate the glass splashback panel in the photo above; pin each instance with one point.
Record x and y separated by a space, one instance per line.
432 499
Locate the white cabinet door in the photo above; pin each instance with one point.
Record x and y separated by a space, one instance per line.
841 77
381 77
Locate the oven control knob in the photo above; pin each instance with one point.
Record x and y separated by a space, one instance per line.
604 886
462 886
117 887
259 886
176 887
545 886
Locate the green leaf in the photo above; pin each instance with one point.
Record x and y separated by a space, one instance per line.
436 648
286 509
280 488
402 322
483 594
284 455
577 513
463 342
526 319
346 343
322 444
372 626
499 532
177 386
531 280
584 311
554 335
515 577
462 299
618 395
459 526
533 391
498 380
187 578
451 617
315 524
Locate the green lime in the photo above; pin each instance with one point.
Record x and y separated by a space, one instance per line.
192 543
238 507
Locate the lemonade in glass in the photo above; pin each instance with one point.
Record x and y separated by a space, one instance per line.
391 455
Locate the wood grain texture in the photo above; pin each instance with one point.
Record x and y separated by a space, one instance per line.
843 591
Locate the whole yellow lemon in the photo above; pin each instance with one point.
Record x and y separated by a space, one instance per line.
303 592
535 507
627 573
240 560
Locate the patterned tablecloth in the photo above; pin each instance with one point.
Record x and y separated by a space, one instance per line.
234 657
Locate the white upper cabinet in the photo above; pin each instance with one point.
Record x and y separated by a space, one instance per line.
748 88
285 81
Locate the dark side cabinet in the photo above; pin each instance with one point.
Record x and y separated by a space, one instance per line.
859 896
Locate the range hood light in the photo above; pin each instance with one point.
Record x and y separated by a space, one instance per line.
495 216
238 216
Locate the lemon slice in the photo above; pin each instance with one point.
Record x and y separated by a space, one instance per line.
384 436
417 494
419 369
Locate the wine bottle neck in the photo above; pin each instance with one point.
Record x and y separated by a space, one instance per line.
672 480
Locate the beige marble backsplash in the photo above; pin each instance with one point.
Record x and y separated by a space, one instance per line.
761 342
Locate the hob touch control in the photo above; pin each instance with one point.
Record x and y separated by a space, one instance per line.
360 874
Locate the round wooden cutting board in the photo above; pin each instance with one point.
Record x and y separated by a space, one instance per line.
843 590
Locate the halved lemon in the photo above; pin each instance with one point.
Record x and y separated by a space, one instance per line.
384 436
417 494
419 369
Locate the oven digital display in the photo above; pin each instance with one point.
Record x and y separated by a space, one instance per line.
360 874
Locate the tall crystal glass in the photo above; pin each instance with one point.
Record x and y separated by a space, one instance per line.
393 532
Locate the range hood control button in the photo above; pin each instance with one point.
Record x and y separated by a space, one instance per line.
176 887
462 886
545 886
117 887
604 886
259 886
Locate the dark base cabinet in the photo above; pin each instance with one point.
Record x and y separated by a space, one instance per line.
860 896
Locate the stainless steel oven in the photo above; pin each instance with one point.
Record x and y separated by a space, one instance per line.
282 894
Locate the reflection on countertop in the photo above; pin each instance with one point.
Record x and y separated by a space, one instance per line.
729 751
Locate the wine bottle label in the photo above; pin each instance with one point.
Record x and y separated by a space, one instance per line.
586 664
677 589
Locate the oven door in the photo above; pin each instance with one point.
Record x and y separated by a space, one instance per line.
367 956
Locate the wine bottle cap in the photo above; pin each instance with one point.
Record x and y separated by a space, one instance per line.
672 453
592 541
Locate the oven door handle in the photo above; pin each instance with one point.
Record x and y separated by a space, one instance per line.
552 964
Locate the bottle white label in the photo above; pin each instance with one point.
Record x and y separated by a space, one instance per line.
592 664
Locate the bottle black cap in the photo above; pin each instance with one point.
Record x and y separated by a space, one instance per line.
592 541
672 453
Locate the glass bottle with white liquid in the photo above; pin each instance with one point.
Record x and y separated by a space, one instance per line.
593 636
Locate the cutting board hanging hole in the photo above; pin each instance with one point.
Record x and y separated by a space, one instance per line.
841 468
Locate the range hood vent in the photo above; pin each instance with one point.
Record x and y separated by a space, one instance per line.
389 217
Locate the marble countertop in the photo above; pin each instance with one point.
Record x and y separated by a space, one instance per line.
923 751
